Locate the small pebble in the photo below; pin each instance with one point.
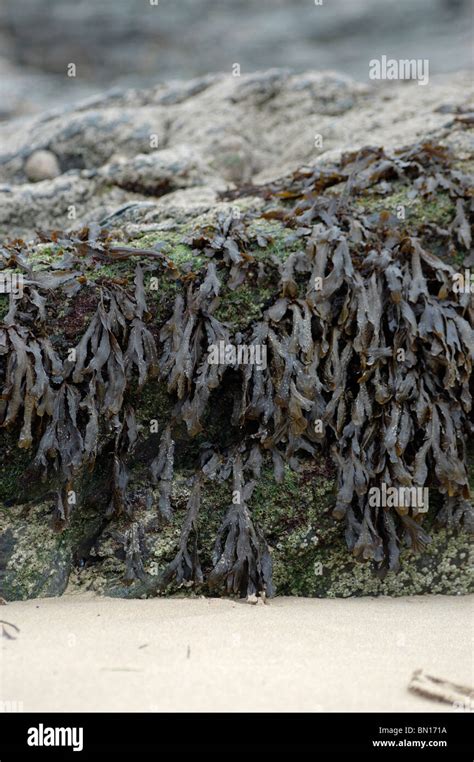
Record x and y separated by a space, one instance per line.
42 165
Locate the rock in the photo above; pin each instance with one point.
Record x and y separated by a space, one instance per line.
219 138
36 561
127 44
213 133
42 165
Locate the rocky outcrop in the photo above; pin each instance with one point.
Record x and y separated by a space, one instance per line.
128 43
199 186
136 157
308 548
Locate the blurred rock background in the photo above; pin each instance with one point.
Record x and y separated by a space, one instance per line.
131 43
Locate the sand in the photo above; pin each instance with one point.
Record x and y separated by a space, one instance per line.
84 653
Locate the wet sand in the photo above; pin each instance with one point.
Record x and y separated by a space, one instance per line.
84 653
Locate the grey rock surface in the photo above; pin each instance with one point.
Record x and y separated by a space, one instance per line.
138 42
172 148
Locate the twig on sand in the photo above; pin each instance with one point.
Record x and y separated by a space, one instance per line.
5 630
441 690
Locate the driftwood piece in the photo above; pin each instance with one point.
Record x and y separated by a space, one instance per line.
9 630
435 688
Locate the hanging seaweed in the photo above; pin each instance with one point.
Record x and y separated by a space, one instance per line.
186 566
242 562
162 473
364 350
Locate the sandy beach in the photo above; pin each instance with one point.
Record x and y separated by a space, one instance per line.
83 653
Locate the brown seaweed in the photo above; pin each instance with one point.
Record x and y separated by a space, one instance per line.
242 561
370 356
186 566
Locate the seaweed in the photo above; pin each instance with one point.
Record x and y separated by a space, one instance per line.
186 566
162 472
133 542
242 561
64 399
370 354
